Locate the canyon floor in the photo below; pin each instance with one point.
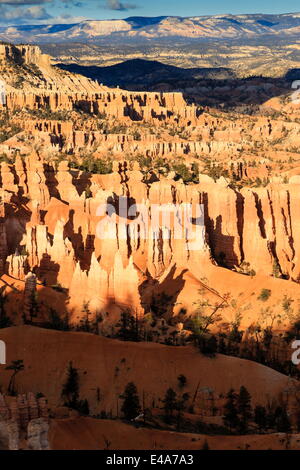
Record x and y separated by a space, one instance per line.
149 261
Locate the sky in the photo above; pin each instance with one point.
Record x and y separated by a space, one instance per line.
72 11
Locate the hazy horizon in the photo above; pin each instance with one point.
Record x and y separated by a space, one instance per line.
22 12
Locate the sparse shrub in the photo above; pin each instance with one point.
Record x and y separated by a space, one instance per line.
264 295
287 303
276 269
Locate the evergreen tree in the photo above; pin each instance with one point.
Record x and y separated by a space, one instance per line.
230 418
129 327
244 409
83 407
233 348
282 420
131 403
70 390
208 345
85 322
271 419
160 304
56 322
260 417
260 354
5 321
16 366
180 406
170 404
268 336
235 334
212 346
34 306
205 445
222 349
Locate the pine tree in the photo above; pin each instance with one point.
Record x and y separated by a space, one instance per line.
244 409
207 345
235 334
16 366
180 407
5 321
34 306
85 322
212 346
260 417
129 327
268 336
222 349
230 418
170 404
205 445
56 322
282 420
131 403
83 407
271 419
70 390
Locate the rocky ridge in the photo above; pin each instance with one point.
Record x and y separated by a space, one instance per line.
218 26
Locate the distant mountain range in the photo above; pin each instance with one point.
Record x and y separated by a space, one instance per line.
142 28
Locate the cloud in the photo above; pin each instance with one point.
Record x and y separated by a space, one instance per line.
17 14
119 5
23 2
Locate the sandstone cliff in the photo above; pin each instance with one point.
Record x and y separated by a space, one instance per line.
51 227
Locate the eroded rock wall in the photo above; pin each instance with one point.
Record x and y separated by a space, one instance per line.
53 228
